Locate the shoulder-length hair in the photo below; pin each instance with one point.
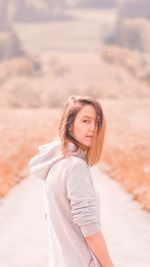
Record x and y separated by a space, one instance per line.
73 105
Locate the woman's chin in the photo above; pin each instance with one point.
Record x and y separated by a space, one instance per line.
87 144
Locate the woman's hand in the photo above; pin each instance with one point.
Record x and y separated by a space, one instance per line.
98 246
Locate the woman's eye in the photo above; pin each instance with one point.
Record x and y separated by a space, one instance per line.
86 121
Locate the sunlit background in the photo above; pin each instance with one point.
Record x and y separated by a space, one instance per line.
51 49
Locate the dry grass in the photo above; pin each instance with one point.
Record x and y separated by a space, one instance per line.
23 130
137 64
125 155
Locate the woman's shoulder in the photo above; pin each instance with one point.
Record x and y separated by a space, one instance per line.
72 159
75 162
77 169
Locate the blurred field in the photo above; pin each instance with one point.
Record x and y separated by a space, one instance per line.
114 73
65 57
70 56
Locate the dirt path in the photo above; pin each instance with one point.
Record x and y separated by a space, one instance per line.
23 228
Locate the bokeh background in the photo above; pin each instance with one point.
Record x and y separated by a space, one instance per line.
51 49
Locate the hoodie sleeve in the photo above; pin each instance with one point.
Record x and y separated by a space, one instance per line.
81 196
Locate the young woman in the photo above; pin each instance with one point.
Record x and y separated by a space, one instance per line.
72 203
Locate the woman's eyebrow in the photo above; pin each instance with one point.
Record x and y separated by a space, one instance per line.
87 116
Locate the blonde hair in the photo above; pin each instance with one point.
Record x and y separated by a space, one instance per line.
73 105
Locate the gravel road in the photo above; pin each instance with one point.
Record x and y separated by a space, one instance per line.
23 228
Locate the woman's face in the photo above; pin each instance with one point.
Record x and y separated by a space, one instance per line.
84 125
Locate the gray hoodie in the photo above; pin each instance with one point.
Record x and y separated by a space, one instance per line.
72 204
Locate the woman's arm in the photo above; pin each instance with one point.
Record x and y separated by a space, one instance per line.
98 246
81 196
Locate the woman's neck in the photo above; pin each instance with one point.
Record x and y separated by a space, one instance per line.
83 147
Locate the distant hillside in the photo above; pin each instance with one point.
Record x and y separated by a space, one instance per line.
133 34
97 3
132 28
134 9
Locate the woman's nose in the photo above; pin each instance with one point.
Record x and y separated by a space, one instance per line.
92 127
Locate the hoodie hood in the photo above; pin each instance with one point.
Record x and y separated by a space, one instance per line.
48 155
